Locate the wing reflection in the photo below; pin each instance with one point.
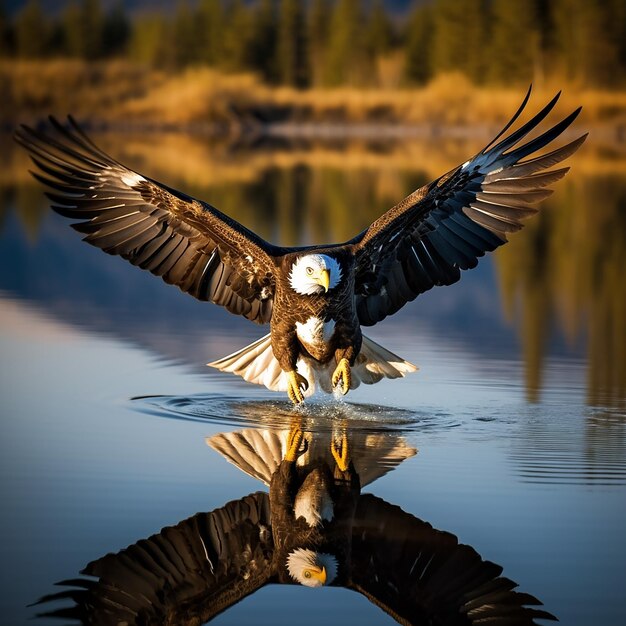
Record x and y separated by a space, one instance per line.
315 528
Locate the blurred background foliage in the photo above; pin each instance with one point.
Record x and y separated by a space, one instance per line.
344 42
229 63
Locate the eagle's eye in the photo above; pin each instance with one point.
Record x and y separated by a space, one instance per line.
307 573
309 270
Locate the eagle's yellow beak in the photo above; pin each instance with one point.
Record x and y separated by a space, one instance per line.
320 575
324 279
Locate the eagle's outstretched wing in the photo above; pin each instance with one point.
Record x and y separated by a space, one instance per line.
420 575
186 574
443 227
187 242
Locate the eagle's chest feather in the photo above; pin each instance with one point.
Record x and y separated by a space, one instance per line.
315 334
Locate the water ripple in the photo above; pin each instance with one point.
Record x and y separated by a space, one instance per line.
321 415
589 452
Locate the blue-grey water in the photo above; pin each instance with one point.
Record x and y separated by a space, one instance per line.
517 412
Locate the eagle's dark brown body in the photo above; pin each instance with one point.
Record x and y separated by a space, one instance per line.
336 305
331 536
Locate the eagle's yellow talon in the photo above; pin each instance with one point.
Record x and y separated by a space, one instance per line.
294 440
341 453
342 375
296 383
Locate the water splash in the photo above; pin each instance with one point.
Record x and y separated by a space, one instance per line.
322 414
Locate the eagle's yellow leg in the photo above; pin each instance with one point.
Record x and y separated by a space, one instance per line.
296 384
341 454
294 440
342 375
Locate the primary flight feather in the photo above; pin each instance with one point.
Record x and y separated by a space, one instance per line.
317 298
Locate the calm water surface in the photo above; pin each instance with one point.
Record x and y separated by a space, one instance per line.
511 436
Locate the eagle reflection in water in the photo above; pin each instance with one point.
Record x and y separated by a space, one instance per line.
314 528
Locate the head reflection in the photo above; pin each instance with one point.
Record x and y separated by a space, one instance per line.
314 528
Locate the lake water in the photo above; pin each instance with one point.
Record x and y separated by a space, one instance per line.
511 436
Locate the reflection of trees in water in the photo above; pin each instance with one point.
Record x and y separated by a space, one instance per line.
5 202
31 209
563 269
30 206
607 291
566 270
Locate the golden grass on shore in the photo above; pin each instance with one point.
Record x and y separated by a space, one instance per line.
121 93
33 89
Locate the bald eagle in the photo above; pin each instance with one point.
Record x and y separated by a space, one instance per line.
191 572
316 299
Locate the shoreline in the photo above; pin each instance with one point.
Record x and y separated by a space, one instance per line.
323 132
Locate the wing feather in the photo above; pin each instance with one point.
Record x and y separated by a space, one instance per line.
186 573
491 154
420 575
446 226
187 242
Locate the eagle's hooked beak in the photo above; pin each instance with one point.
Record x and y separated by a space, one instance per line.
324 279
321 575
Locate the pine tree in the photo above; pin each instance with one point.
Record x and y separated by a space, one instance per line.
545 31
184 48
7 42
149 41
116 31
292 44
210 31
93 24
378 38
264 41
459 38
418 46
617 10
238 37
83 29
31 32
344 57
514 50
379 33
70 31
586 41
317 31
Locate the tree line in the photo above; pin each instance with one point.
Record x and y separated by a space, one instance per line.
330 43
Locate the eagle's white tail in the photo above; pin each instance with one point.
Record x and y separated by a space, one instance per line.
258 453
256 363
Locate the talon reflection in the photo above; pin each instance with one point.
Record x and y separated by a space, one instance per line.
314 528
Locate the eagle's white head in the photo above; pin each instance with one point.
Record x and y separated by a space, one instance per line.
314 273
312 569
